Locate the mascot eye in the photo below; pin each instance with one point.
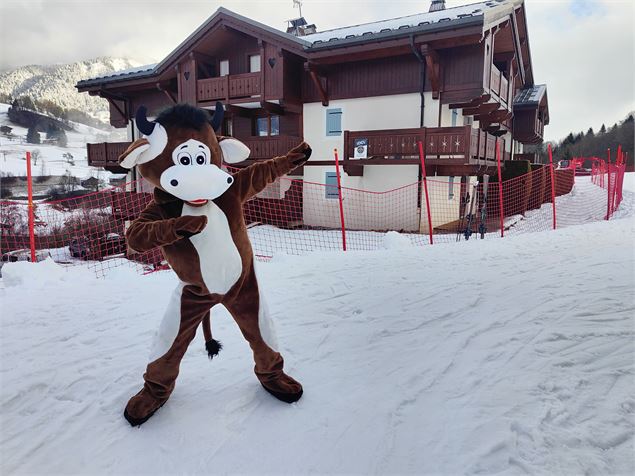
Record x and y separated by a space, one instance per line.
184 158
200 160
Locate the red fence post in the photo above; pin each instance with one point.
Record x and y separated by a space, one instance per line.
425 187
29 181
500 189
339 195
553 187
608 183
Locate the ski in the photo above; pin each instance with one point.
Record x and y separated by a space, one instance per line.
465 201
471 215
482 228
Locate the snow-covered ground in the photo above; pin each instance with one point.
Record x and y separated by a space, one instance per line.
511 356
52 160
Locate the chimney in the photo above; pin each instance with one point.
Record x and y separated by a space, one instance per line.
437 5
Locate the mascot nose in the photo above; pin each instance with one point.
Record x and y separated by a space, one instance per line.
174 182
230 180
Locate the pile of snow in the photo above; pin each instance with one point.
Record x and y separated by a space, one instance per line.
515 356
395 241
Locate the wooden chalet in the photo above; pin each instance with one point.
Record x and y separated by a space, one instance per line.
458 79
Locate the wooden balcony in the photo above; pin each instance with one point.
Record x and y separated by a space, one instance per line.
234 86
443 146
106 154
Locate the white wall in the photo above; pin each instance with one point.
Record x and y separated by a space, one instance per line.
394 211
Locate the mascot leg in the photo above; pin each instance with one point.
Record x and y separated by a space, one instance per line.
185 311
250 312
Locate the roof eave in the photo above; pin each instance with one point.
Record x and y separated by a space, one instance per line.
393 34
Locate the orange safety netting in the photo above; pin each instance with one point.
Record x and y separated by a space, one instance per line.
294 216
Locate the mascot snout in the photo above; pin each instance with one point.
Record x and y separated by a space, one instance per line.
195 184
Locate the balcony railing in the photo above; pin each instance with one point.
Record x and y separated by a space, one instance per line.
447 144
501 86
227 87
106 154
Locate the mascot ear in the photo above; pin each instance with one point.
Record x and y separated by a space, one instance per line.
133 154
234 151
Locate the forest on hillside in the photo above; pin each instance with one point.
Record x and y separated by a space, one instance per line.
595 144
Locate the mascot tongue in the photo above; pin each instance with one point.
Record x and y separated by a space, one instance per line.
197 203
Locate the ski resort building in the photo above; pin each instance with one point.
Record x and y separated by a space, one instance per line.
457 79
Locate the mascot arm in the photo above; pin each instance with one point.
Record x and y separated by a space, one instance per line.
152 229
253 179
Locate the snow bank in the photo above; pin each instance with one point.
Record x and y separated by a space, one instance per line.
507 356
40 275
395 241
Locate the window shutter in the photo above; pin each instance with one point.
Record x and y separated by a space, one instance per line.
330 180
333 122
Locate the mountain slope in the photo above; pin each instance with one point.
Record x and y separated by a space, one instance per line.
56 83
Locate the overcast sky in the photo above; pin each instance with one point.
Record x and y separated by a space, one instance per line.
583 49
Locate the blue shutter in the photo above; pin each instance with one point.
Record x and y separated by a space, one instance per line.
333 122
330 180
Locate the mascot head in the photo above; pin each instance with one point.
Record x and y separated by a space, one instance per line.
181 155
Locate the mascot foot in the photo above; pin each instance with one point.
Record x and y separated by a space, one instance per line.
141 407
284 388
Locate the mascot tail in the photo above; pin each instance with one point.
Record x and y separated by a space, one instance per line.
212 346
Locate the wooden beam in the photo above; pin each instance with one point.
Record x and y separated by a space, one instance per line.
167 92
323 91
434 69
473 103
272 108
239 111
481 110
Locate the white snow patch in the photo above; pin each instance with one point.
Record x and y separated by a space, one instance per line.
513 355
395 241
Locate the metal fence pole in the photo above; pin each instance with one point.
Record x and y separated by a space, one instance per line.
339 195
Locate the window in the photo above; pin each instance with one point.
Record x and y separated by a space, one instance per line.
224 67
455 117
274 125
254 63
333 122
228 127
450 188
468 120
267 126
330 180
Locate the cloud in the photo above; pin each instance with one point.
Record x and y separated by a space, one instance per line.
582 49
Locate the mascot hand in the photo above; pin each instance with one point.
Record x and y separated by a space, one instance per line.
300 154
188 226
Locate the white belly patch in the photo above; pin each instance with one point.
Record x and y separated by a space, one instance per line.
221 264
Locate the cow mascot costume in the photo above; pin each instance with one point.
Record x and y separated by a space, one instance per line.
196 218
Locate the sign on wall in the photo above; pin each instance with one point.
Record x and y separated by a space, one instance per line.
361 149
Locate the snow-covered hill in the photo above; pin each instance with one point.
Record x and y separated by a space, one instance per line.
51 159
506 356
56 83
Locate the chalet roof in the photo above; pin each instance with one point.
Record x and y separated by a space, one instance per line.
531 96
450 18
138 72
447 18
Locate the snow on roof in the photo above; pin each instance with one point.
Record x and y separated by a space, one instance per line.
410 21
531 95
122 74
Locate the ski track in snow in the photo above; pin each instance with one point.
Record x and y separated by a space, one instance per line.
513 358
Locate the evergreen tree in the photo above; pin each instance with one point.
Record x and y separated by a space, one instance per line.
32 136
603 129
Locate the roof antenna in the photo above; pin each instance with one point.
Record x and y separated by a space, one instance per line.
298 3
